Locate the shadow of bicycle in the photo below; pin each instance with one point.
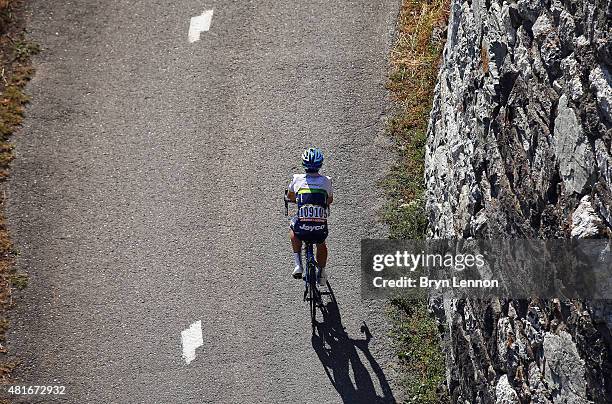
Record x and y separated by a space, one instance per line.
339 354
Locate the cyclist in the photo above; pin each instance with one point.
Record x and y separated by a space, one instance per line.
313 193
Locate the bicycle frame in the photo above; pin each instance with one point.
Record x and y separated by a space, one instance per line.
311 277
310 261
311 290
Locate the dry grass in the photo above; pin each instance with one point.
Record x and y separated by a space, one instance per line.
415 58
484 57
415 61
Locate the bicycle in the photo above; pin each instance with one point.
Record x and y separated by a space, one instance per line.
312 294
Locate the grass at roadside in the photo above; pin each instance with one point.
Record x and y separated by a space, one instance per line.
414 67
414 63
15 71
416 337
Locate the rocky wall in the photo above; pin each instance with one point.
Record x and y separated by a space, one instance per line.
519 147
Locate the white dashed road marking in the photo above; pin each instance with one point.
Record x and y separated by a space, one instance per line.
199 24
192 339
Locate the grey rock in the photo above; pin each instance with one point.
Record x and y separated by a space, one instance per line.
565 369
530 9
542 27
506 21
538 388
585 222
601 83
604 161
572 149
571 75
567 28
505 393
581 41
504 340
551 53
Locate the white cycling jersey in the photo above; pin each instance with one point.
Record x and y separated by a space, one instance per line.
311 182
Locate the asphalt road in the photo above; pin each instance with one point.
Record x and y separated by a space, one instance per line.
146 195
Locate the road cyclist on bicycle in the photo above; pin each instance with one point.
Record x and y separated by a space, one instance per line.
313 194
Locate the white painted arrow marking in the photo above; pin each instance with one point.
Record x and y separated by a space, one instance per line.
199 24
192 339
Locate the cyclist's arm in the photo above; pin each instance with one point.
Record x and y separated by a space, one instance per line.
330 192
291 191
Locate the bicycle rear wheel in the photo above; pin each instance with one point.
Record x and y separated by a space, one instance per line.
312 294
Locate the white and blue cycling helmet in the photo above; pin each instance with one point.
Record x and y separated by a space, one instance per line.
312 159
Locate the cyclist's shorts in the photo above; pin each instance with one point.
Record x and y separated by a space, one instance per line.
315 232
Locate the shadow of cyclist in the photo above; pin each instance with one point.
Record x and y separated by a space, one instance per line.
339 355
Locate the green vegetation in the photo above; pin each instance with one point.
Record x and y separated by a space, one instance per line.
19 281
414 67
24 50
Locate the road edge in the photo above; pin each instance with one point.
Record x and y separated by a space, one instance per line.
16 52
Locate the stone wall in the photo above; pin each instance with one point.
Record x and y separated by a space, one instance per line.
519 147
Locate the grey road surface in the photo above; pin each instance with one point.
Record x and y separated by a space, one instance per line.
147 195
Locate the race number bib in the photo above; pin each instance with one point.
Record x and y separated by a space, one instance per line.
312 213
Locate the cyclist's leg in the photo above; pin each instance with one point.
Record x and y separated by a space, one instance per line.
321 257
321 254
296 245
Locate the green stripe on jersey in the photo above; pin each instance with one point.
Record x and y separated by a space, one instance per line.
311 191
